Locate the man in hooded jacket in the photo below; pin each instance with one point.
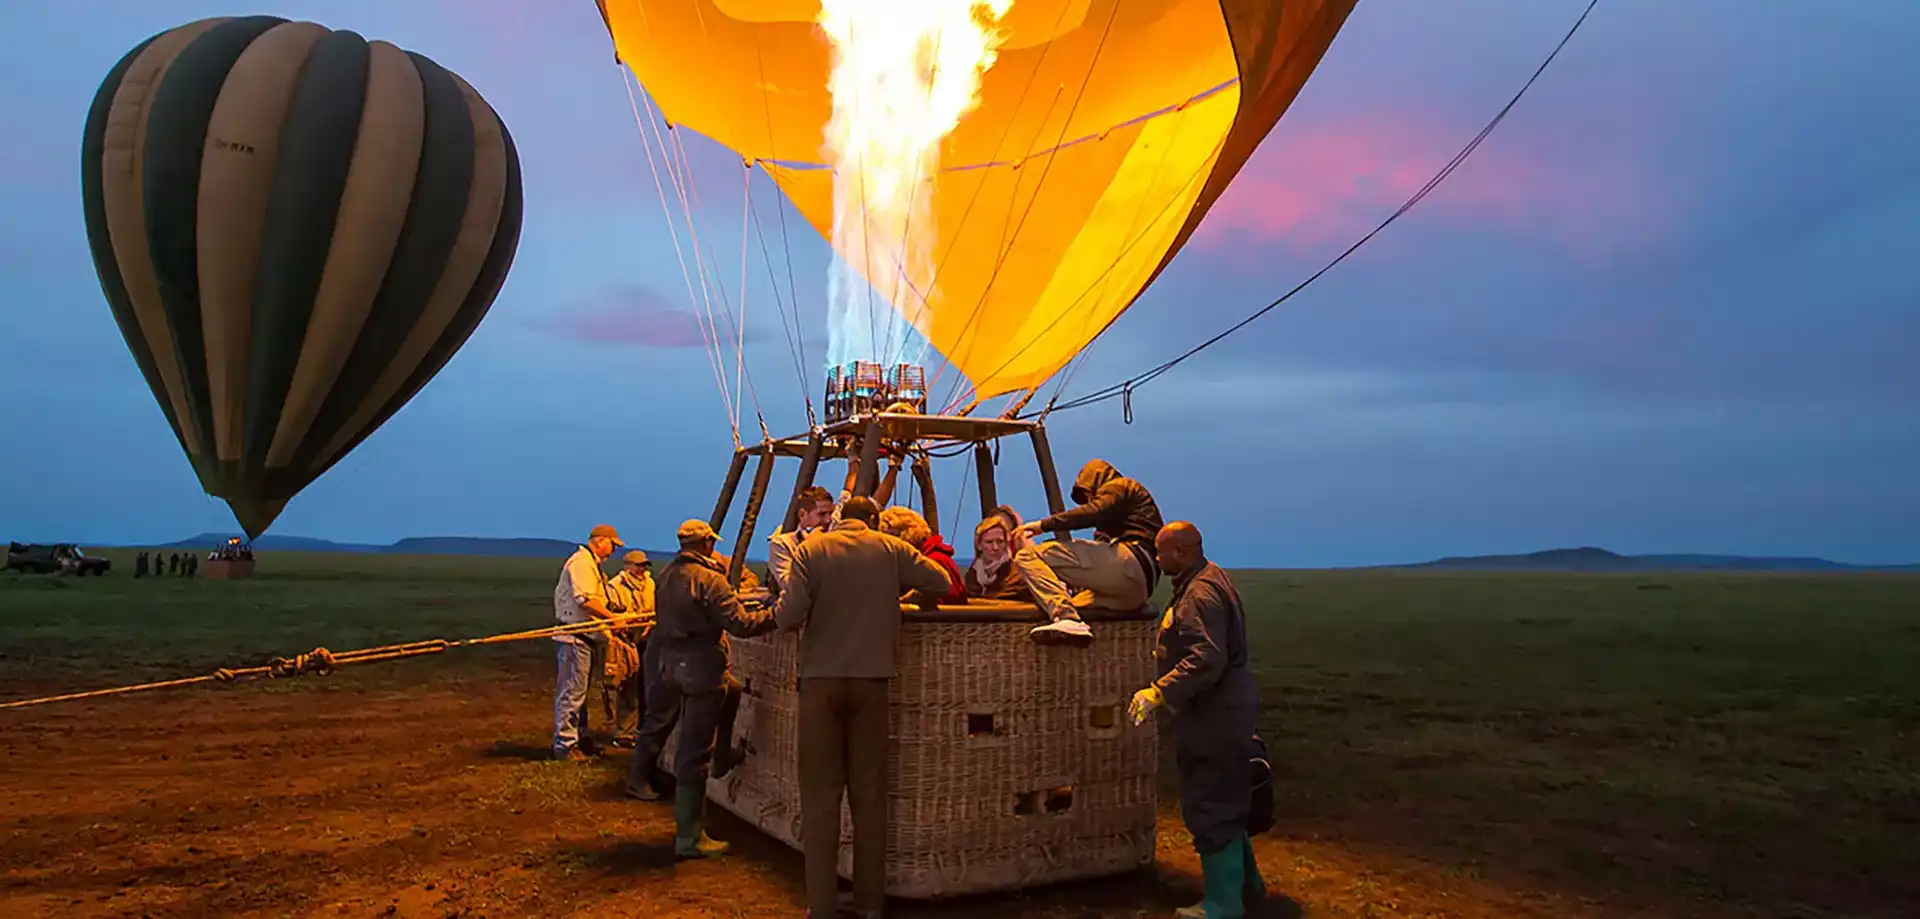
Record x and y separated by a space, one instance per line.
694 610
1114 569
1209 694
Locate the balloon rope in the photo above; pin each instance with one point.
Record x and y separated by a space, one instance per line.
322 661
1127 386
726 309
795 343
673 233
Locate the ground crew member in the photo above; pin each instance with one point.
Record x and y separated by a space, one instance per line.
844 592
630 593
140 565
580 595
1209 694
694 610
1115 568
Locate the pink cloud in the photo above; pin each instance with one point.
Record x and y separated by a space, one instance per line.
627 315
1318 185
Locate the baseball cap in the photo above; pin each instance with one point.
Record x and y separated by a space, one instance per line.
607 531
696 530
636 557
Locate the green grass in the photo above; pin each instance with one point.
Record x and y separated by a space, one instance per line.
1733 738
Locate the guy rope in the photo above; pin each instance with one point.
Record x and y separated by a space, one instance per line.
321 660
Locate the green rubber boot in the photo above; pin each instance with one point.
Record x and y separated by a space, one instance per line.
1255 888
1225 878
690 839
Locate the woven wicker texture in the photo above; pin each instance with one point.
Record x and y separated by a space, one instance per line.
1012 764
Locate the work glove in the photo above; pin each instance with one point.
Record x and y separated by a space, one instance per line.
1144 703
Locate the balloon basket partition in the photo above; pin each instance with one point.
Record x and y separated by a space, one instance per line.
1010 764
234 569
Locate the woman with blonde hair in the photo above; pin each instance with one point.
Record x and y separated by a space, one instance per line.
906 523
992 576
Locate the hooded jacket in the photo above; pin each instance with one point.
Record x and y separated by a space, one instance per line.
941 553
1117 508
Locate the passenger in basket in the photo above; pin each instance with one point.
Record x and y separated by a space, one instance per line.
907 524
579 596
815 515
844 592
992 576
1114 569
630 593
1206 688
687 659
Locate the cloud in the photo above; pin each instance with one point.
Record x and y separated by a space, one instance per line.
1326 181
627 314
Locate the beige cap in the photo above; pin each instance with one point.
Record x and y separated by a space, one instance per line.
607 531
696 530
636 557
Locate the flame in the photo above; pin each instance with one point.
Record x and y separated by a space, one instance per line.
904 73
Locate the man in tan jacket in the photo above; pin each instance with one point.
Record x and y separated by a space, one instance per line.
843 589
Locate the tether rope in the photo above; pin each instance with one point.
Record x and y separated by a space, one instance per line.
322 661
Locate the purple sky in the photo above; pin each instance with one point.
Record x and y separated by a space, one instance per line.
1669 306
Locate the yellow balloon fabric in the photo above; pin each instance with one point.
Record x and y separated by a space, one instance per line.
1105 130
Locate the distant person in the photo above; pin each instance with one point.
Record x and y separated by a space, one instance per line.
907 524
1212 703
192 561
992 575
140 565
844 597
815 515
694 610
173 563
1115 569
580 595
630 593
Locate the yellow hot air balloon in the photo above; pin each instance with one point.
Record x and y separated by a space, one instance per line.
295 229
1102 133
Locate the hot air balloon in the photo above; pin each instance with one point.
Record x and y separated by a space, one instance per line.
1103 132
295 228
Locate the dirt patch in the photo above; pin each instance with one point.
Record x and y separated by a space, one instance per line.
235 801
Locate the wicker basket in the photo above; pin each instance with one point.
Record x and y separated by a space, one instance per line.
1011 766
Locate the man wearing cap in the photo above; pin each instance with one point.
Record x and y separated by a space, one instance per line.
695 609
579 596
629 593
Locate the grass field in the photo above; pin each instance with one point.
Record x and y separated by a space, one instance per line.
1446 745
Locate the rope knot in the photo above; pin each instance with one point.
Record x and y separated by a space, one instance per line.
319 660
223 675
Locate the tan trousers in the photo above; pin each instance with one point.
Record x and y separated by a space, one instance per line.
1057 570
843 747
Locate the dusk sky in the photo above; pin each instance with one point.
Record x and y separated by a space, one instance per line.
1670 306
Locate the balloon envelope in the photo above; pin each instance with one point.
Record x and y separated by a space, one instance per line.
1104 132
296 229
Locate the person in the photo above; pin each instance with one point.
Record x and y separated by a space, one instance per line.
580 595
843 594
631 593
694 610
1208 693
192 563
1116 568
140 565
907 524
815 514
992 575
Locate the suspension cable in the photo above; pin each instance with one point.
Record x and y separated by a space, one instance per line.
1127 386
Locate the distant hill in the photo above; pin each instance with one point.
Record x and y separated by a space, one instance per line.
518 547
1590 558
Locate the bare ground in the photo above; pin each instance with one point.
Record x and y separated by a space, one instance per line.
355 798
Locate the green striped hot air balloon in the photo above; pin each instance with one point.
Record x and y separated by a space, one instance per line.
295 228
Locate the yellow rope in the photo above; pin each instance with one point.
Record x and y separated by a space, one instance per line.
321 660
